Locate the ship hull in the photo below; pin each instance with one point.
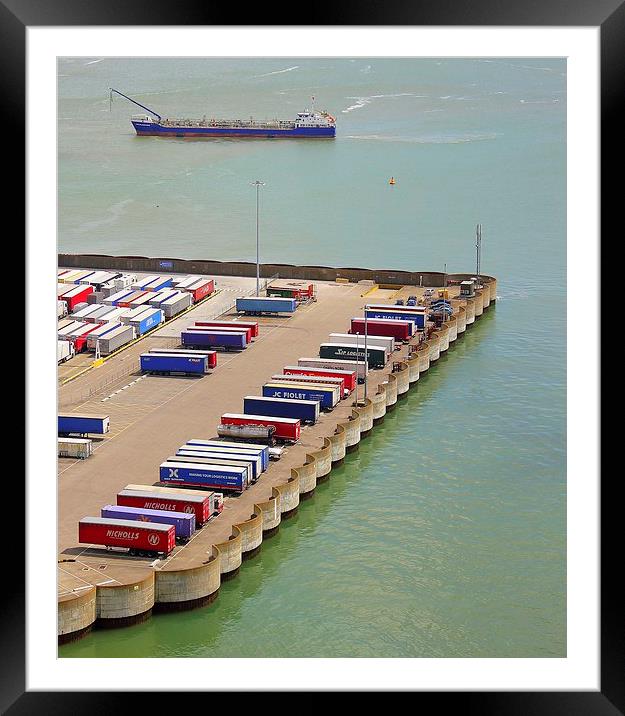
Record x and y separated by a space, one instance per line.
153 129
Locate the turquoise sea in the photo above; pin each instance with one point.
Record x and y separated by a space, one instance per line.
468 474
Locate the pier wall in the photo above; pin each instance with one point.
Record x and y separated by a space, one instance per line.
248 269
198 585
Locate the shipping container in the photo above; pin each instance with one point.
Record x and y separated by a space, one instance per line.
405 309
349 377
77 295
138 537
224 329
102 329
334 364
145 321
386 342
220 477
115 298
240 459
182 281
260 456
98 316
63 288
338 383
64 351
258 448
158 297
161 498
200 289
268 304
83 424
307 411
144 281
299 290
77 278
158 284
210 355
247 432
399 330
253 325
215 499
75 447
198 457
226 340
115 315
397 313
68 328
285 428
171 363
112 341
176 304
327 395
376 357
85 312
182 522
126 301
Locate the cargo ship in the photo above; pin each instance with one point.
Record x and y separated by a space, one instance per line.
309 124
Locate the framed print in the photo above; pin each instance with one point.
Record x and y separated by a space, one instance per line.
328 407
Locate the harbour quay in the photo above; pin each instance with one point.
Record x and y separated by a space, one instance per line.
151 416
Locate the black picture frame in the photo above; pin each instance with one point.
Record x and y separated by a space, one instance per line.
17 15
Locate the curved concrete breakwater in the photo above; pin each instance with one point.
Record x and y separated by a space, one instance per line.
137 591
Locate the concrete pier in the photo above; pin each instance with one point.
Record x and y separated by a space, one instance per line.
111 589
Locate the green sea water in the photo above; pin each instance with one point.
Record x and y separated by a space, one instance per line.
445 534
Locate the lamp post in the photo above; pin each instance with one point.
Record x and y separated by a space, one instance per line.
257 184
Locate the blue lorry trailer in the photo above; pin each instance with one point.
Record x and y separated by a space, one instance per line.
417 318
184 523
263 450
214 339
327 397
73 423
219 477
173 363
307 411
266 304
250 462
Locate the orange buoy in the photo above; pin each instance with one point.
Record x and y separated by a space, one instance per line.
392 180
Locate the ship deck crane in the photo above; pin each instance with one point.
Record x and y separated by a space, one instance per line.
121 94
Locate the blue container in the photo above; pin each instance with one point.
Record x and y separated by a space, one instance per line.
305 410
417 318
83 424
160 283
262 304
182 521
254 462
218 477
171 363
262 450
323 396
214 339
148 321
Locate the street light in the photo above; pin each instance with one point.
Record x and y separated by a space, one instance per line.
257 184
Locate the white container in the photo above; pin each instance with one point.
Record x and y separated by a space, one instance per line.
64 351
102 330
83 313
378 341
61 309
176 304
70 328
75 447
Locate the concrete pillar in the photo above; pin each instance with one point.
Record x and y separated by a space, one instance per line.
379 404
230 554
434 344
271 513
122 604
76 614
178 589
251 534
365 409
423 353
413 368
307 474
403 380
289 496
391 391
323 460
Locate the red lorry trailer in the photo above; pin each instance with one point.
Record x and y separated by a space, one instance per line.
399 330
200 289
231 324
286 428
349 377
154 499
140 538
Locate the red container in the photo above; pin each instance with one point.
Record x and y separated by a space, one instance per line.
399 330
175 503
231 324
76 295
144 536
286 428
349 380
232 328
201 289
